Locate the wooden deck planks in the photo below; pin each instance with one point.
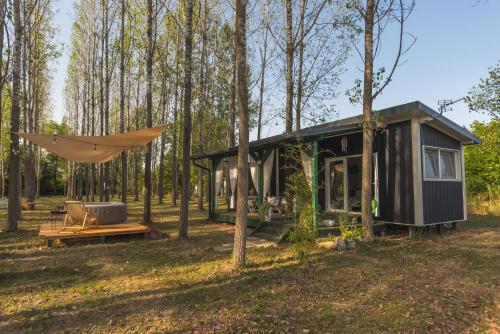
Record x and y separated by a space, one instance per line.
51 232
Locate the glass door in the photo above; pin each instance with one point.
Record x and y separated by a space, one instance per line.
336 192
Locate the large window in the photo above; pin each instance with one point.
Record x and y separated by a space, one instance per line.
440 164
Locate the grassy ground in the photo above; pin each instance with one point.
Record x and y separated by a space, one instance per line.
446 283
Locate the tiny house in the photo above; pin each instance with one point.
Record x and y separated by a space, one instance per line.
418 169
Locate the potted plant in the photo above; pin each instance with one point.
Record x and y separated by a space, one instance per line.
349 232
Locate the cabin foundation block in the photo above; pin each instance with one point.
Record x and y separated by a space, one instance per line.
412 232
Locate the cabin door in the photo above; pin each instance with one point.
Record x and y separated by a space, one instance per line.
343 183
336 180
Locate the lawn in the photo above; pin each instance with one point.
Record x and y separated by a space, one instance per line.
447 283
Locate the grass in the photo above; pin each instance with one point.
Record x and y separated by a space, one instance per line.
441 284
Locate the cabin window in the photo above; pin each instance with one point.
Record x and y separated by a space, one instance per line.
440 164
431 164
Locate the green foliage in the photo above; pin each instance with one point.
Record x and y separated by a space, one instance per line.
482 162
485 97
304 233
349 231
355 94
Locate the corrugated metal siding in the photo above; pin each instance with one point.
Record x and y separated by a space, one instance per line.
442 200
396 174
394 152
433 137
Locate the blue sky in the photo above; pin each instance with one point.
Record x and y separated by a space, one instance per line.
457 40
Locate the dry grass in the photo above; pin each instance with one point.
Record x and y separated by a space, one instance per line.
443 283
482 206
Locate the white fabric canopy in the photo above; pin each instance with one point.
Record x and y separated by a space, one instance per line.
233 176
219 172
93 149
306 163
268 167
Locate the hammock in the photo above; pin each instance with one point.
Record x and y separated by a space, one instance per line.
93 149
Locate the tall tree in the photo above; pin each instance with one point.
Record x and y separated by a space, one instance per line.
240 234
484 97
3 12
13 210
289 67
149 115
186 140
124 191
203 15
379 15
107 81
366 173
175 163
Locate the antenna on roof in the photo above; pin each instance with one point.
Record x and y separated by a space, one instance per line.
444 104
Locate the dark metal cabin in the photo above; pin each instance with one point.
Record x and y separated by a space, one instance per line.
418 167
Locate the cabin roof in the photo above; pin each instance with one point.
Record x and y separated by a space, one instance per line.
389 115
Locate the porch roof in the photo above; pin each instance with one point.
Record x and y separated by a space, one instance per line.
402 112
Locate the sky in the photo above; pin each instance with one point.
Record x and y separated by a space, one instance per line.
457 41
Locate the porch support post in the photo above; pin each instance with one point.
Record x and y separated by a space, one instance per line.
416 146
314 180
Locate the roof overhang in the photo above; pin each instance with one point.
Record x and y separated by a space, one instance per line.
394 114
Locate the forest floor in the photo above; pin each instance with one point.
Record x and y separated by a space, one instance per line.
447 283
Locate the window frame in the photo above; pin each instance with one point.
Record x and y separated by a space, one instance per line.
457 166
375 183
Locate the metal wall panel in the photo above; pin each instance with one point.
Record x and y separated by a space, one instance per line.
442 200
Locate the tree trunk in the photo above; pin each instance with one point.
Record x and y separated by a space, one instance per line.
161 172
366 185
201 111
2 82
122 103
186 140
232 98
289 67
13 210
106 106
92 104
240 235
136 152
175 163
262 80
101 114
298 107
149 116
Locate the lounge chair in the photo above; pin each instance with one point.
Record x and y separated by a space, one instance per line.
78 214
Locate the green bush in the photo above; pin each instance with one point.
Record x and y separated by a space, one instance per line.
303 234
349 231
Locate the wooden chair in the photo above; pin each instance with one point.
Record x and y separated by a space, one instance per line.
78 214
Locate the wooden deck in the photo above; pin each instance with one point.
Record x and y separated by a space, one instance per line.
54 232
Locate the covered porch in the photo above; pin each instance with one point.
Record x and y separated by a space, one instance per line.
319 152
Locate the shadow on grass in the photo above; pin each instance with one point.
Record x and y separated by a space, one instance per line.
303 293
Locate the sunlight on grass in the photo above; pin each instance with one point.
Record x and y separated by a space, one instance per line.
443 283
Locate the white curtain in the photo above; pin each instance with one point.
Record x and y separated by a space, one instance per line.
254 172
219 172
306 164
268 167
233 176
